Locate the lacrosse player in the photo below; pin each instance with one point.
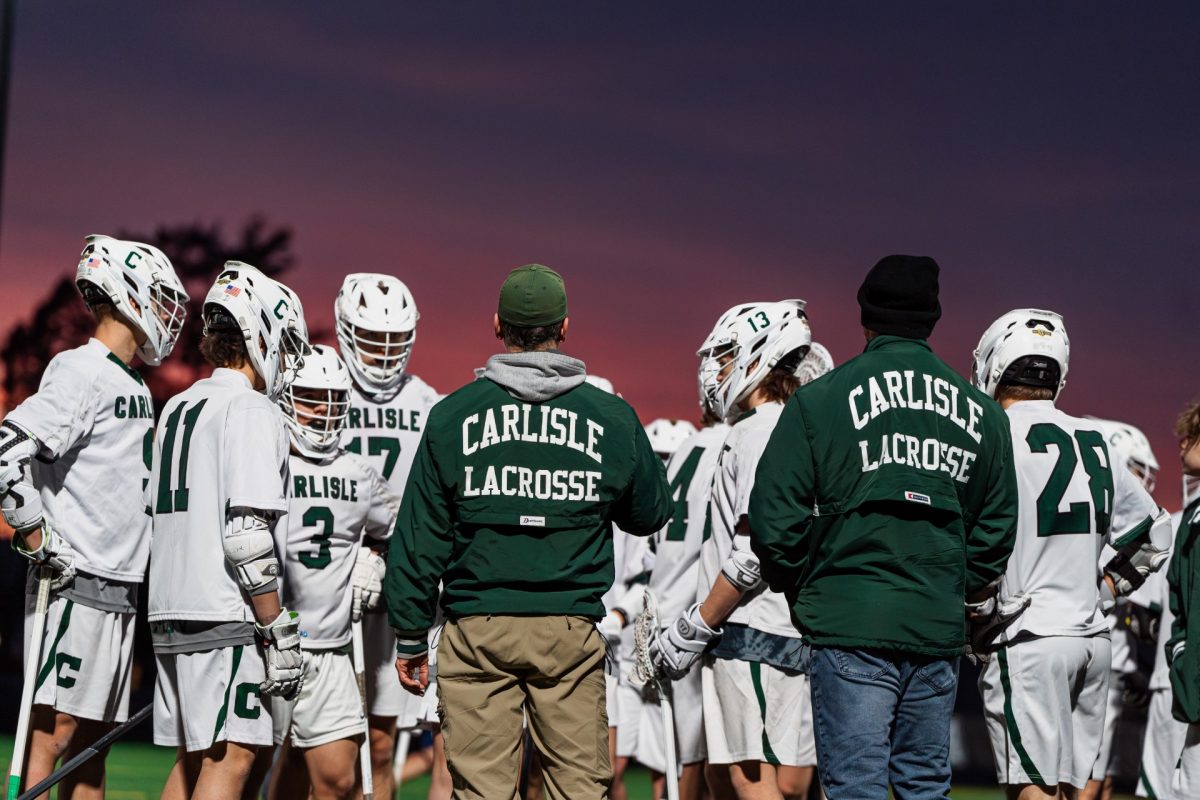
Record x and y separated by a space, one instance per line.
755 696
1165 735
1133 626
1182 664
73 467
1046 688
339 513
218 488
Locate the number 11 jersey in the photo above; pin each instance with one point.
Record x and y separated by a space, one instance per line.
221 445
1073 500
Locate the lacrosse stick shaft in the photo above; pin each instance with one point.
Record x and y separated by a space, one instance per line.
360 677
672 765
32 659
403 740
89 752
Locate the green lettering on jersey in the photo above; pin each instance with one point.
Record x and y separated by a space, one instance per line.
677 527
1078 518
171 501
318 515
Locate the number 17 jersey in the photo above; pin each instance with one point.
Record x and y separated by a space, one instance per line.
386 433
1073 500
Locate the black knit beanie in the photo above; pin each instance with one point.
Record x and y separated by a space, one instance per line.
899 297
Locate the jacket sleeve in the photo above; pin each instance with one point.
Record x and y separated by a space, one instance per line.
991 528
645 505
781 503
1175 598
420 550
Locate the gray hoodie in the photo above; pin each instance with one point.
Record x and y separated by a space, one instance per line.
536 376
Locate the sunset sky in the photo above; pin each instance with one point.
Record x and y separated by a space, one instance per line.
670 159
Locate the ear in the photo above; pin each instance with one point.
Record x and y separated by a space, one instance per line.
562 336
496 325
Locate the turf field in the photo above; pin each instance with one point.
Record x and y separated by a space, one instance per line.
136 771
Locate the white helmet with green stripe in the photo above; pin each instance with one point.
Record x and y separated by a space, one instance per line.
748 341
140 283
269 317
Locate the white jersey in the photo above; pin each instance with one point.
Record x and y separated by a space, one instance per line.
387 433
333 505
677 546
762 609
1072 502
94 419
222 446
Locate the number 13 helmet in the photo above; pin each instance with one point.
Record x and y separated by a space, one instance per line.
748 341
140 282
376 328
1027 347
322 387
269 317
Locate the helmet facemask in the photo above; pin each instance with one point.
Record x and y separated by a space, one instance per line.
316 417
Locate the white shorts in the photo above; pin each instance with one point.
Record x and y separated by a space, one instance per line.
687 707
1186 782
385 696
757 712
86 659
611 695
1044 702
201 699
1161 747
328 707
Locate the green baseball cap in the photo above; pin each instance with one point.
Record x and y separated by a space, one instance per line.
532 296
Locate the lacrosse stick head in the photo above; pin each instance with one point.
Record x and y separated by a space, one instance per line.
645 628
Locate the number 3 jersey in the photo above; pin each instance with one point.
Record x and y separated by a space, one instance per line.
334 505
94 420
387 433
221 445
1073 500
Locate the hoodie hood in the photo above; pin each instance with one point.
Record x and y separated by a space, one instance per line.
537 376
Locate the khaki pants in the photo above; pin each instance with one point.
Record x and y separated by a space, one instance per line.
490 670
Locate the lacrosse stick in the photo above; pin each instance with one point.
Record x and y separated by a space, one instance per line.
360 676
645 628
91 751
403 740
27 688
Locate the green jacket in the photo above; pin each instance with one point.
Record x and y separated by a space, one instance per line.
1183 580
885 494
513 495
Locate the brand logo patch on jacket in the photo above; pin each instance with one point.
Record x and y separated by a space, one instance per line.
537 522
917 497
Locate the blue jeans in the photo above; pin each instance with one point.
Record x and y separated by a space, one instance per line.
882 717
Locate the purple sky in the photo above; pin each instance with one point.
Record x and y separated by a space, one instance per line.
669 162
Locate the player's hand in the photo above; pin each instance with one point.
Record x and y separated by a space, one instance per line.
366 582
610 628
987 619
285 662
414 672
675 649
51 552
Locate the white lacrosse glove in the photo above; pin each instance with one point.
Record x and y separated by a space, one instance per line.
623 612
366 582
675 649
987 619
285 662
53 552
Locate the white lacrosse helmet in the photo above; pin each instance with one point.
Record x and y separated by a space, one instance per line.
322 387
1130 447
666 435
141 284
376 327
815 363
269 317
1027 347
753 339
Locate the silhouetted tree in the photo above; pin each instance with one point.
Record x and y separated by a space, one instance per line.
198 251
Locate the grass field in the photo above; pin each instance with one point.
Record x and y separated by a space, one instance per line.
136 771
